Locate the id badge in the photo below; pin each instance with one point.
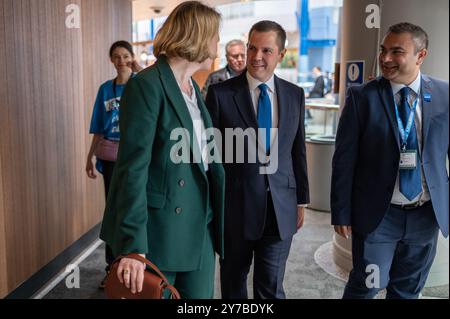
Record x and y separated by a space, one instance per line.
408 159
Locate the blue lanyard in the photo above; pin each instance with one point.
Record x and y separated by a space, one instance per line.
404 132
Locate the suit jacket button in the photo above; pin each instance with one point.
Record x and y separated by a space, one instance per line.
181 183
178 210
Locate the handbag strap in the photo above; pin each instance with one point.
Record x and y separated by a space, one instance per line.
174 294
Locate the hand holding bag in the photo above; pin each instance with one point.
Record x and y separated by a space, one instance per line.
153 288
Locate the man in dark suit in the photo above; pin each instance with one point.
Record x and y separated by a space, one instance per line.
389 181
262 211
318 90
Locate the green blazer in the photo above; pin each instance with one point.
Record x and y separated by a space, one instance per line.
155 206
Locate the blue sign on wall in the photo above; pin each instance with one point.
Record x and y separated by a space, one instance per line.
354 73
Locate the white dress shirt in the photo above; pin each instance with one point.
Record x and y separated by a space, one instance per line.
197 122
397 197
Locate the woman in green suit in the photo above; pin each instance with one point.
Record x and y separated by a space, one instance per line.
158 205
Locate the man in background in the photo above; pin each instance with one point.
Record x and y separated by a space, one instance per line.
235 54
319 84
318 89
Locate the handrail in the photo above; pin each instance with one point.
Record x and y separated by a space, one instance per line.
322 106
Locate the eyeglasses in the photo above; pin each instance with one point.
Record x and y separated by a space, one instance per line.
236 56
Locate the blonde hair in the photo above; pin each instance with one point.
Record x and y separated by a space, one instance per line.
187 32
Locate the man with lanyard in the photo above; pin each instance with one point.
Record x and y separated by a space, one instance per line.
235 54
389 182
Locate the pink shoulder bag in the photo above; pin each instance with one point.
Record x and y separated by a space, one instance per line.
107 150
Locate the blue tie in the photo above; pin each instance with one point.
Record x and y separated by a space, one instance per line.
410 179
265 113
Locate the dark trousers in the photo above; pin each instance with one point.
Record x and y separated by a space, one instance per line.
107 174
398 255
269 255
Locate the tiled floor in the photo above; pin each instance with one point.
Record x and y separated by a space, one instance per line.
304 278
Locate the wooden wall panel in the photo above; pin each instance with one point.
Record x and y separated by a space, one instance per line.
3 265
3 89
49 77
113 25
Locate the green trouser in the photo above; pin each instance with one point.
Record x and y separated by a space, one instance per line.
198 284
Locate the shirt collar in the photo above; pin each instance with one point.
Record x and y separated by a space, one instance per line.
415 86
254 83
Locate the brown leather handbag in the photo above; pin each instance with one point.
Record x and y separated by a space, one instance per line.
153 288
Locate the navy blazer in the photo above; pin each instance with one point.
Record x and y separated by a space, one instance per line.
230 106
366 159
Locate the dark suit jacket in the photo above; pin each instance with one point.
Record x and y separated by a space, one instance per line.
230 106
366 159
319 88
216 77
156 206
